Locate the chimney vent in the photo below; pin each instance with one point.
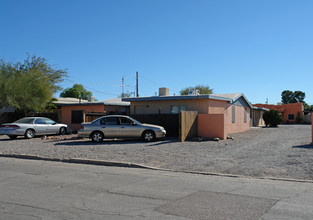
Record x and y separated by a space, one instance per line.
164 91
91 98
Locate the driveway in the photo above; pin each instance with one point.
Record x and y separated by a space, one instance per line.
282 152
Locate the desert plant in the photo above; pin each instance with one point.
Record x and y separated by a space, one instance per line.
272 118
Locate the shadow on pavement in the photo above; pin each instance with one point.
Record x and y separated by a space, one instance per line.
87 142
163 142
307 146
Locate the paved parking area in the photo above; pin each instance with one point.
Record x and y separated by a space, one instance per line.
283 152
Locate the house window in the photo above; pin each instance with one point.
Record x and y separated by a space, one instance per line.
291 117
77 116
175 109
233 114
245 117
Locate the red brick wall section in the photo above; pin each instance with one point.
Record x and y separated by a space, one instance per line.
312 126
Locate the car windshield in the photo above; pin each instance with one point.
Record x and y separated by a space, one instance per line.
25 121
137 122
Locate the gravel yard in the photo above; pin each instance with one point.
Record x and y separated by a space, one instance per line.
282 152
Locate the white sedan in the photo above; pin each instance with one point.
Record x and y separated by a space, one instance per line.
29 127
119 126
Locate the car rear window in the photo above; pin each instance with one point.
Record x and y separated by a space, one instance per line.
25 121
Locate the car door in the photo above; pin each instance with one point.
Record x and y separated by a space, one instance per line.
128 128
110 127
52 126
40 126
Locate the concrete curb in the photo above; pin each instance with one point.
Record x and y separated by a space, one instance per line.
74 160
133 165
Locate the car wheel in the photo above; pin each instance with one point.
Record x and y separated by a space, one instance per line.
12 137
97 136
148 136
30 133
62 131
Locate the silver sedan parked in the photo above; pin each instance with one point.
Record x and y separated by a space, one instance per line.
119 126
32 126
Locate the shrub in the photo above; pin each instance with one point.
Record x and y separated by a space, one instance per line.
272 118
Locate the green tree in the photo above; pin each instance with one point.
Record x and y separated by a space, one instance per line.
308 107
77 91
272 118
125 94
29 86
288 96
299 96
202 89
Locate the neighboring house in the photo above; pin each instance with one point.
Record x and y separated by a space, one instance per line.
291 113
218 114
257 116
7 109
74 111
4 114
307 117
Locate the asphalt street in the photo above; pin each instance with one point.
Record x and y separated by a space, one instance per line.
32 189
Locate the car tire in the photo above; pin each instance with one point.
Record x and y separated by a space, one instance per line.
12 137
148 136
30 133
62 131
97 136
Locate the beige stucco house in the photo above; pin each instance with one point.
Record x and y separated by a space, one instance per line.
218 114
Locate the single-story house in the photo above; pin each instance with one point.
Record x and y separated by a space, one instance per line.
74 111
7 109
291 113
218 114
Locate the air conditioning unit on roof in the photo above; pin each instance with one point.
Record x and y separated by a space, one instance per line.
194 92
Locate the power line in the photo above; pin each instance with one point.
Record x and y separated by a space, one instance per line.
150 80
90 88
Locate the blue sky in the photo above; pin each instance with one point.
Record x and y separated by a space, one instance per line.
256 47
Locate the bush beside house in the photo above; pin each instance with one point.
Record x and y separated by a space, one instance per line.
272 118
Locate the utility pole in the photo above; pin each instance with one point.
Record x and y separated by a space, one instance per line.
123 86
137 84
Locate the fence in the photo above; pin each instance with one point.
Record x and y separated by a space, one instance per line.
90 116
188 125
169 121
